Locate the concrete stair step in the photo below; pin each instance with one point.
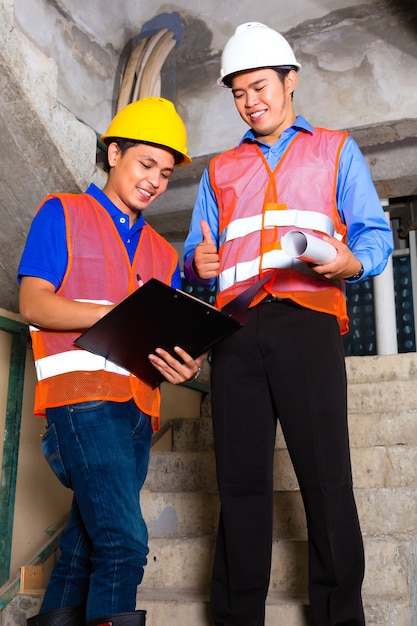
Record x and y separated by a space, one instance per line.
367 429
384 395
363 369
376 512
195 514
192 434
187 563
378 466
181 471
185 607
389 566
383 428
372 467
180 514
384 466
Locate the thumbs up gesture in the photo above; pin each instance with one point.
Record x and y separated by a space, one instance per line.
206 259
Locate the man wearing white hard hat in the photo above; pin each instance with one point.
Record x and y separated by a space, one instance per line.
287 361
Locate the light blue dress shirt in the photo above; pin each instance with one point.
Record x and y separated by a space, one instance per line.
368 233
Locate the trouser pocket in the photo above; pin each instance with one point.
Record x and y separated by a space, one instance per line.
52 454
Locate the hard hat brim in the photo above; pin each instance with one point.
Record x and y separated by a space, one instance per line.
224 81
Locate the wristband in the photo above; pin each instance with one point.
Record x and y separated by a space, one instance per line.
196 375
356 276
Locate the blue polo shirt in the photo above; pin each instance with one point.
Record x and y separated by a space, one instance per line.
45 254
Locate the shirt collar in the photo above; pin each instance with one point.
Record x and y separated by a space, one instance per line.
300 123
110 207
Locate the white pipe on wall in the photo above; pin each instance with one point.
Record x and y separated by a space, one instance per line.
385 318
413 267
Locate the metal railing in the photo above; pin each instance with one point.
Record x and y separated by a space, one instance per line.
13 586
13 417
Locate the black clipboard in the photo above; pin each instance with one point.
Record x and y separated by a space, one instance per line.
156 316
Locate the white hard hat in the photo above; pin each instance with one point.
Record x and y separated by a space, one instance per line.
255 45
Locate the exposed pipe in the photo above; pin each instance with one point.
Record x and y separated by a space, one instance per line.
413 266
385 314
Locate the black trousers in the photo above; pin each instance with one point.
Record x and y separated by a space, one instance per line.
286 363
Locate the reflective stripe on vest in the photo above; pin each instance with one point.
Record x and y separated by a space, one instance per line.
71 361
303 220
277 258
300 193
271 260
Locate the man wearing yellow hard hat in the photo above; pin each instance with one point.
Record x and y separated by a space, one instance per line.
84 254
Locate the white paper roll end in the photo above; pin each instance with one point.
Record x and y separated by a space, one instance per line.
299 245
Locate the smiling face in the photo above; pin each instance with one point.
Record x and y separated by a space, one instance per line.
137 176
264 102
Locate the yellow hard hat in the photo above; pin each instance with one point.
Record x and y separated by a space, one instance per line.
152 120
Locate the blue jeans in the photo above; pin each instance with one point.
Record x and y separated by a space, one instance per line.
100 450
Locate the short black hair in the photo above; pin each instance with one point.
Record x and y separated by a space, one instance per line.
281 70
125 144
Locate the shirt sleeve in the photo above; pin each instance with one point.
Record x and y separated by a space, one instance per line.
45 254
176 282
205 208
369 235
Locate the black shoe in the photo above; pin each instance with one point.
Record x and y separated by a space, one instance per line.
66 616
136 618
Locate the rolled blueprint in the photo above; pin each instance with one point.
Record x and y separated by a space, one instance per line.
302 246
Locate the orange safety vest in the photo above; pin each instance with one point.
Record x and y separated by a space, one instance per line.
99 270
257 209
